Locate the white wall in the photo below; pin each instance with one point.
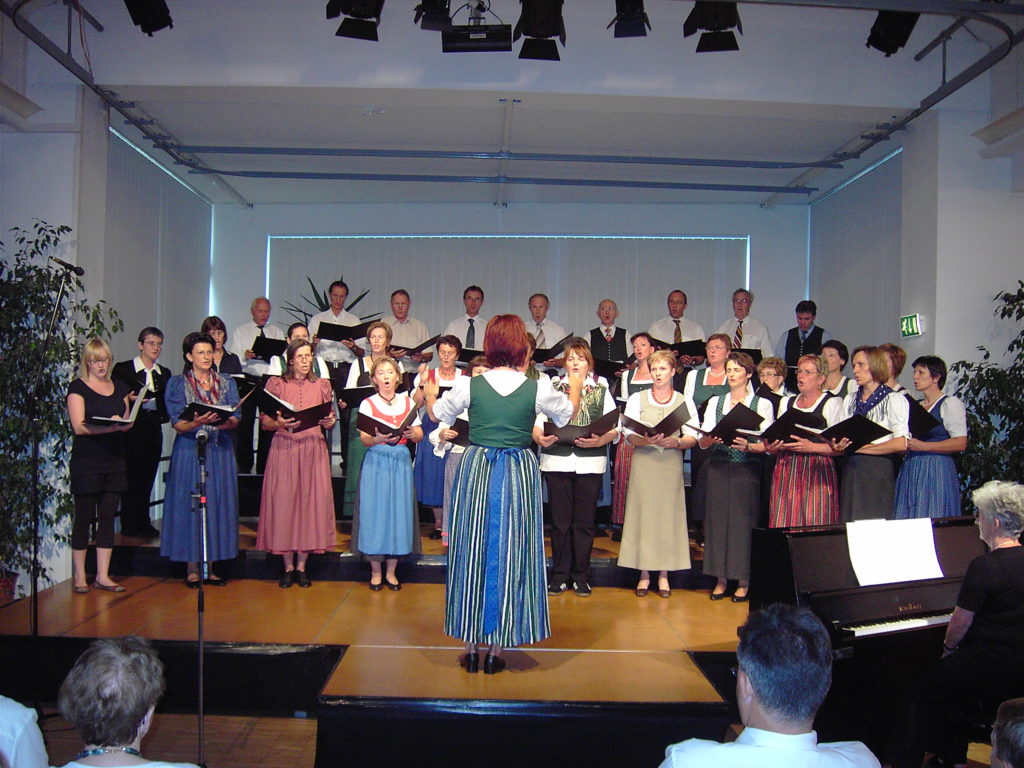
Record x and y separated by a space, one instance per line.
778 243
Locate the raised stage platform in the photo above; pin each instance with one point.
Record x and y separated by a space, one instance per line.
614 685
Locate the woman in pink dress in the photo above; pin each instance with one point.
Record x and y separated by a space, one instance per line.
297 508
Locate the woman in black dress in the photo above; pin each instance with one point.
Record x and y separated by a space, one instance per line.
97 468
981 656
224 362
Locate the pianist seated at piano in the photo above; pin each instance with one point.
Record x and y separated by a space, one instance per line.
983 651
784 673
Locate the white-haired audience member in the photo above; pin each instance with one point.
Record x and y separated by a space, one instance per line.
981 661
1008 735
21 743
109 697
784 673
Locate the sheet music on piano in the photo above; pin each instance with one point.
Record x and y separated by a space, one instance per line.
892 551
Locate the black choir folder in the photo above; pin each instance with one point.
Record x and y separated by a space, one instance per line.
693 348
921 420
568 434
794 422
132 414
266 348
335 332
307 417
372 426
224 412
741 421
667 426
467 354
608 368
418 348
461 427
353 397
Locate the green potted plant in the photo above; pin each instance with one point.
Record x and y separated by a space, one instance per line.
995 417
28 289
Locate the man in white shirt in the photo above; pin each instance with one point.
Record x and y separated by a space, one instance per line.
546 331
471 326
676 328
21 743
745 331
243 339
608 341
784 673
406 332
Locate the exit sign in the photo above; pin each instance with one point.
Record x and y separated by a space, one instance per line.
911 325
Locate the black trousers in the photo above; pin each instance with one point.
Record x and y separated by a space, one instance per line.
101 507
243 447
142 446
572 500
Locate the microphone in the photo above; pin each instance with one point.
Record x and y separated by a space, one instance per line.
202 438
70 267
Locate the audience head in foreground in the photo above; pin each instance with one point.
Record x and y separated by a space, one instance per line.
1008 735
784 673
109 697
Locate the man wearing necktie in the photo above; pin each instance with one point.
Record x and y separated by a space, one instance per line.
676 328
469 328
805 339
608 341
545 331
745 331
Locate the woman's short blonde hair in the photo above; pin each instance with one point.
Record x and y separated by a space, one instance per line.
820 363
95 349
581 348
776 364
384 361
662 355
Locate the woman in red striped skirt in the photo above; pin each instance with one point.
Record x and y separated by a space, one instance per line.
804 488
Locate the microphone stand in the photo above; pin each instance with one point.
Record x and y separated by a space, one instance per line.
204 573
32 420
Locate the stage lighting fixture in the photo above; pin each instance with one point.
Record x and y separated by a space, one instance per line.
435 15
361 17
149 15
716 19
477 36
539 22
891 31
630 19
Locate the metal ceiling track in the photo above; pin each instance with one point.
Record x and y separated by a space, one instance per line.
144 124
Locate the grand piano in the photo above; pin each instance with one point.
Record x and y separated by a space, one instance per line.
883 636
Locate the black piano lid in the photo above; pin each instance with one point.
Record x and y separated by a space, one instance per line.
811 567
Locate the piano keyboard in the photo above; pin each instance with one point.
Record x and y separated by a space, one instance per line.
899 625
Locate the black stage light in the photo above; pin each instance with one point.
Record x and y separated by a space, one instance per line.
716 20
477 36
435 15
540 21
149 15
630 19
891 31
361 17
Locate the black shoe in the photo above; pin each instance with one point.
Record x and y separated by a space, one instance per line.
435 535
741 598
147 531
581 589
303 580
192 583
470 662
377 587
394 586
718 595
557 589
617 534
287 578
493 664
216 581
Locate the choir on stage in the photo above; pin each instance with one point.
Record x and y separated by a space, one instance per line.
471 444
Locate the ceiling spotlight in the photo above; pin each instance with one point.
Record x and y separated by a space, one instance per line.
630 19
149 15
891 31
435 14
716 19
540 21
477 36
361 17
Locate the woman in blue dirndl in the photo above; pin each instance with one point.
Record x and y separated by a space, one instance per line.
180 536
928 485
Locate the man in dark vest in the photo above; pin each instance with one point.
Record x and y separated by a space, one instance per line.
805 339
608 341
